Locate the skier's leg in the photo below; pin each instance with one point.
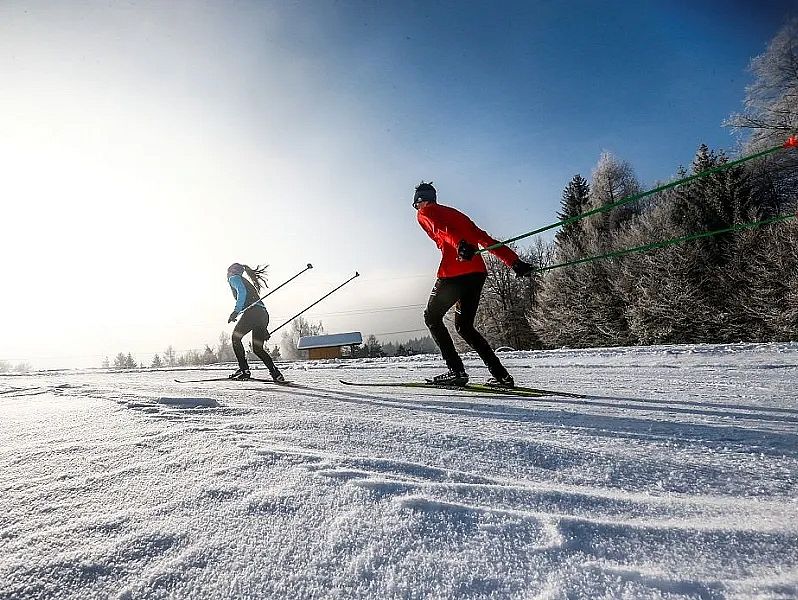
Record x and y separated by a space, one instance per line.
259 337
442 298
466 312
241 329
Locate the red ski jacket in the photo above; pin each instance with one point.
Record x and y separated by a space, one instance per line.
447 226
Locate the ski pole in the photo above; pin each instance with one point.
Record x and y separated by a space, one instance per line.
315 303
310 266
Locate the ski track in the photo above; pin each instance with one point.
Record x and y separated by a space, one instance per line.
674 477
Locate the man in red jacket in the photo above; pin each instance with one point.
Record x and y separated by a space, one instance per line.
461 275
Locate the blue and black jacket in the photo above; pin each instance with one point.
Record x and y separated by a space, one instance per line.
244 293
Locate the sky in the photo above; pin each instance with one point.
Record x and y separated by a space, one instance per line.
147 145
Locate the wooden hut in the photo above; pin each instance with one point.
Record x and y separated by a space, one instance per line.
329 346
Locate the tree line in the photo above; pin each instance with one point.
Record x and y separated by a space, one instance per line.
286 349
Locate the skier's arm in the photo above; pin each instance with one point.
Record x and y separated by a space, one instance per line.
239 290
503 253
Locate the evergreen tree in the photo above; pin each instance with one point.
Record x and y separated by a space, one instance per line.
156 362
575 199
372 347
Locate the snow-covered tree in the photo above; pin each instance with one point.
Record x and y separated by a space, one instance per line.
506 306
299 327
771 114
771 101
169 356
208 356
225 348
611 180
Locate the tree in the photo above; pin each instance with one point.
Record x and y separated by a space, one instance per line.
275 353
189 358
169 356
130 362
771 114
225 348
156 362
575 198
507 304
208 357
288 348
610 181
290 339
372 347
106 364
771 101
580 305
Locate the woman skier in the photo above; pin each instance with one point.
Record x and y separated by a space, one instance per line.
254 319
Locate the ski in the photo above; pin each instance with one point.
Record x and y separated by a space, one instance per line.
471 387
233 380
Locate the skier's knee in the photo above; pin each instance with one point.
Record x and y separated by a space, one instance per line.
463 328
432 319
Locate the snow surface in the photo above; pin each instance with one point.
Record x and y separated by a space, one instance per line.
675 477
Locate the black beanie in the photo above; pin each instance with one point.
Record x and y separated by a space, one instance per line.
425 191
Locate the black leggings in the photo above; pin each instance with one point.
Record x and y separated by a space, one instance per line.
465 291
256 320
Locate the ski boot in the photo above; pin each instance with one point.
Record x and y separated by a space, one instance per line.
453 378
502 382
278 377
241 375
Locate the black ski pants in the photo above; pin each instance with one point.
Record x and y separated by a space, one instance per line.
256 320
464 291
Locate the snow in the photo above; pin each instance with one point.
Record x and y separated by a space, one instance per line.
674 476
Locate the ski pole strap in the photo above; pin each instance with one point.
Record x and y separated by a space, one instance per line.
791 142
315 303
246 308
670 242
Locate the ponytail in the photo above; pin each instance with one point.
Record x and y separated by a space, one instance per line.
257 275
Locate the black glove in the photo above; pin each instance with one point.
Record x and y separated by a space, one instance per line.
522 269
233 317
465 251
